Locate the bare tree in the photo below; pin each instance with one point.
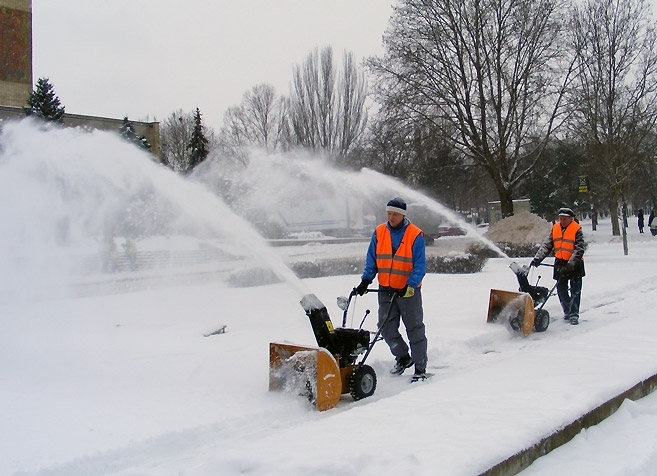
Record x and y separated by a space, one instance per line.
420 154
233 138
387 142
259 121
494 71
648 174
616 94
327 108
262 115
352 93
175 135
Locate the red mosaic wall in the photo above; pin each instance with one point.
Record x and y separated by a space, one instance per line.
15 46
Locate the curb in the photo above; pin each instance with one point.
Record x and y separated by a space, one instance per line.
521 460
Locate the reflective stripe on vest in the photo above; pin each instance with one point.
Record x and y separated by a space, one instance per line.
564 240
394 270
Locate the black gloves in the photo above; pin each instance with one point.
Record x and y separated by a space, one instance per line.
535 263
566 270
362 287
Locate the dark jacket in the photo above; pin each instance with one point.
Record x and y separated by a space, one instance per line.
577 258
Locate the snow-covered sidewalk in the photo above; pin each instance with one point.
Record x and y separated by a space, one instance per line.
127 384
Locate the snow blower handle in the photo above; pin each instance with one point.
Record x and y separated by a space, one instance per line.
367 313
377 336
343 302
536 265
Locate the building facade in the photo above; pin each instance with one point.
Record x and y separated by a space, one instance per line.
15 52
16 76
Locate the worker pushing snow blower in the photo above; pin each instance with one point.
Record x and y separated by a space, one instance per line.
322 374
524 309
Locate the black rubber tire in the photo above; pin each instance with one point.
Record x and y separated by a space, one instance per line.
542 320
362 382
516 322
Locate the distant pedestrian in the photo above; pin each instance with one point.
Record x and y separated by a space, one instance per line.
130 248
652 223
640 221
109 254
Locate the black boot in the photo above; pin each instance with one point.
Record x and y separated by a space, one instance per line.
401 365
420 375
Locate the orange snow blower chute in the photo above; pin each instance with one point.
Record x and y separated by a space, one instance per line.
322 374
519 307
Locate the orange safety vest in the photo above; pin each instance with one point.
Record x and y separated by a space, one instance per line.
564 240
394 270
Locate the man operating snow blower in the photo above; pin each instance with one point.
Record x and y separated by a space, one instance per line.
396 253
567 241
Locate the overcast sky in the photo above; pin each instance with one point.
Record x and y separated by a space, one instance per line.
149 58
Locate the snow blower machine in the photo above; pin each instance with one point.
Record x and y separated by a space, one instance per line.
524 309
322 374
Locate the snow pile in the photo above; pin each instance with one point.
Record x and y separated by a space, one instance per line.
523 227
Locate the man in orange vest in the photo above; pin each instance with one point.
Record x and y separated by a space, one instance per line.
397 255
567 241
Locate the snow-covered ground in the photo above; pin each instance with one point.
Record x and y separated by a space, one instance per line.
126 383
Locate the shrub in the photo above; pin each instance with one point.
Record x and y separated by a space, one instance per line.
470 261
519 250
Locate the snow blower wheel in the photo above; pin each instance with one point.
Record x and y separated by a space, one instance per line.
362 382
516 322
542 320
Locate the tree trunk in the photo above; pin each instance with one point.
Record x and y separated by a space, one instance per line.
594 218
613 211
506 202
625 251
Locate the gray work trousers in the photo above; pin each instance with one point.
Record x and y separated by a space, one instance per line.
411 313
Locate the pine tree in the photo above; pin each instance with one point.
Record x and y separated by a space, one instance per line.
44 103
198 144
127 131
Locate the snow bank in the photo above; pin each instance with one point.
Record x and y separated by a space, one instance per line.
523 227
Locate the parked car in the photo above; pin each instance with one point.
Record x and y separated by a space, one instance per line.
449 231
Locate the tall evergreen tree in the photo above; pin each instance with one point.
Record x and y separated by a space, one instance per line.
127 131
198 144
44 103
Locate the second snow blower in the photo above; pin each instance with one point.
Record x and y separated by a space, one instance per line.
524 309
323 373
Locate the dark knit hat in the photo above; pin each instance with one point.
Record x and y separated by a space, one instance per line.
566 212
397 205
